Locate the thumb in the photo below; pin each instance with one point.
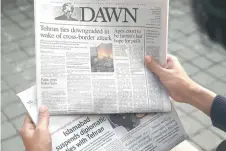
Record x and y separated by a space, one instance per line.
43 121
153 65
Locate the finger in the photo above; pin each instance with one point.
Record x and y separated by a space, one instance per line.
170 62
43 121
140 115
28 124
153 65
28 120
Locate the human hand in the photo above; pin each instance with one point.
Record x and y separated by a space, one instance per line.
37 138
173 77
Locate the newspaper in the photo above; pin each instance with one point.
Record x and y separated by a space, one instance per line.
114 132
90 55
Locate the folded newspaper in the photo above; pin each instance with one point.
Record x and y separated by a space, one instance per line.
90 55
114 132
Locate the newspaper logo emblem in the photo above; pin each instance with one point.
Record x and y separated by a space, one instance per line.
101 14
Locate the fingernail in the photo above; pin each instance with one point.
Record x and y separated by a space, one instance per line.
43 109
148 59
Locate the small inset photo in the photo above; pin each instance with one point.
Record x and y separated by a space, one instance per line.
123 123
102 58
67 12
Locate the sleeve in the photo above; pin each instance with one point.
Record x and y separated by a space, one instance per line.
218 112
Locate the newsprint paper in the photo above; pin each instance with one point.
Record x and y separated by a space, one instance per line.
114 132
90 55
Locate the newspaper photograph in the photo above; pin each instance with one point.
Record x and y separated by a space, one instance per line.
90 55
114 132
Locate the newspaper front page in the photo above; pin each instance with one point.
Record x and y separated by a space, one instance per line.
113 132
90 55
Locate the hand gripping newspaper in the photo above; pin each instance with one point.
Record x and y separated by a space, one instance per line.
114 132
90 55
